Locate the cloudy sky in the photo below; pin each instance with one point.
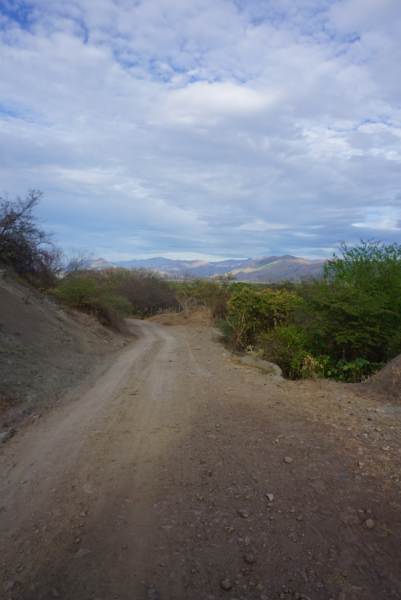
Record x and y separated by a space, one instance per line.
215 128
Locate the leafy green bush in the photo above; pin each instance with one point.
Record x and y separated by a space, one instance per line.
352 371
286 345
252 311
84 291
77 292
355 312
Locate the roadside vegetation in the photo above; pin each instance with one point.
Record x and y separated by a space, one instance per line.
344 326
111 295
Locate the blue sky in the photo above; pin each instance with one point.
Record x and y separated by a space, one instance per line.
204 128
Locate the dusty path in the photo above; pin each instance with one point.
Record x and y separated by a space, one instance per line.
154 483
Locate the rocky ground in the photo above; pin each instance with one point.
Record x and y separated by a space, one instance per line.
183 473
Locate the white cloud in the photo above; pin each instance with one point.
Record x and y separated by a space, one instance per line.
207 127
385 219
204 102
262 226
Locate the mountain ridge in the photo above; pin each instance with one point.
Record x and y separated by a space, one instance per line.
268 269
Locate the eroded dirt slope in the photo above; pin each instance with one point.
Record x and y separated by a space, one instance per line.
44 350
183 475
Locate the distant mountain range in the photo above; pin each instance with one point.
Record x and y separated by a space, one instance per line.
271 269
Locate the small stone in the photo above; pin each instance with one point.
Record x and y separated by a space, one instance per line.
244 514
6 435
288 460
270 497
82 552
370 524
249 558
153 594
8 586
226 584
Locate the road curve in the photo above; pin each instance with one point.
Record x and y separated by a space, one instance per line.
152 483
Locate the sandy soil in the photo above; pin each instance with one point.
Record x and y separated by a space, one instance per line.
183 474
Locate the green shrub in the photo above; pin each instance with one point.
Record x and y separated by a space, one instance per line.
77 291
355 312
118 303
252 311
86 292
286 346
351 371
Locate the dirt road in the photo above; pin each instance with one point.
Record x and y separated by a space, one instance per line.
180 474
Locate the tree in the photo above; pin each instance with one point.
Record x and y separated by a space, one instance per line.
80 261
24 246
357 307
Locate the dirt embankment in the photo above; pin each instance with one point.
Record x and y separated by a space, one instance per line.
387 382
44 350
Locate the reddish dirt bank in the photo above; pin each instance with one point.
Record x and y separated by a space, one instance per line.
181 474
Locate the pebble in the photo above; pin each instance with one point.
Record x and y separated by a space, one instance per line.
8 586
244 514
288 460
226 584
82 552
6 435
153 594
369 523
270 497
249 558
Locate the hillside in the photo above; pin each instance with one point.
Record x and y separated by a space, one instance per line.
276 269
269 269
44 350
